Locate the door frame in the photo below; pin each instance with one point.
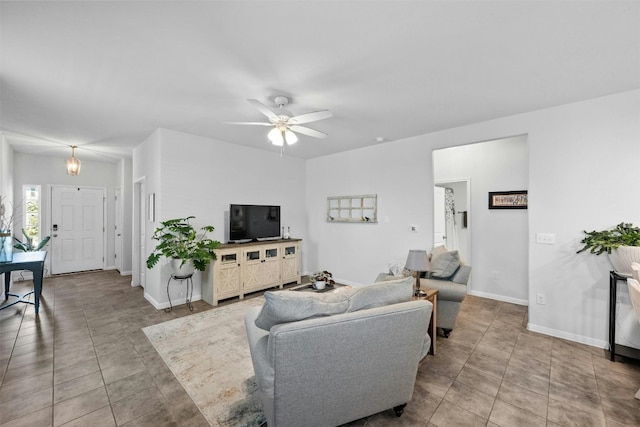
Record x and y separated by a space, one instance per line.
49 216
138 221
119 217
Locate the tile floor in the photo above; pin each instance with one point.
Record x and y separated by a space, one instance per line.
85 361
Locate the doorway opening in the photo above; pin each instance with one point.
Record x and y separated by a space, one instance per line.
497 240
451 215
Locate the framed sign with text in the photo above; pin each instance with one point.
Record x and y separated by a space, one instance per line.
508 199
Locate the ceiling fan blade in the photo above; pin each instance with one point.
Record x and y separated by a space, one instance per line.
308 131
250 123
264 109
310 117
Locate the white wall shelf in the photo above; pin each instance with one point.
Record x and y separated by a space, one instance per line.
361 208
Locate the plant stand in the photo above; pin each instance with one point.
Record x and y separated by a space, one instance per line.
189 296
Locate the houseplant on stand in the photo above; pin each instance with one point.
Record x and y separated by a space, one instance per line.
180 242
621 243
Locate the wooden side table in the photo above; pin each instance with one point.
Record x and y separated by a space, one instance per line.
431 296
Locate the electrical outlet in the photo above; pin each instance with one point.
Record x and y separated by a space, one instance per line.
181 294
541 299
494 275
545 239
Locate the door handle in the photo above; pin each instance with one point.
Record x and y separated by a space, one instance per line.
55 235
118 235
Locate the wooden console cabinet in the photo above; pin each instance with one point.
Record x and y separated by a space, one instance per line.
242 268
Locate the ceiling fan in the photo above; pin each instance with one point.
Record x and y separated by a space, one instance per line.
285 124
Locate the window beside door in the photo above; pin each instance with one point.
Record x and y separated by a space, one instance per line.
32 218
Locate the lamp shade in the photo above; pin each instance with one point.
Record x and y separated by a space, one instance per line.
417 260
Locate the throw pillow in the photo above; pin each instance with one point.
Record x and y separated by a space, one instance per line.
291 306
381 293
437 251
444 264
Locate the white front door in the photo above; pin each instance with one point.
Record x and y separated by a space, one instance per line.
77 229
439 223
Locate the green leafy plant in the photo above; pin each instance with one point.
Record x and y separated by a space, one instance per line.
27 245
322 276
179 239
624 234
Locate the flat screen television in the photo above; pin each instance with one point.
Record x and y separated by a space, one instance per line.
253 222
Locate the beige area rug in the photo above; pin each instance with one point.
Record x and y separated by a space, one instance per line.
209 354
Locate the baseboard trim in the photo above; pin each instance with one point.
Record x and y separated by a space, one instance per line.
163 305
499 297
568 336
126 273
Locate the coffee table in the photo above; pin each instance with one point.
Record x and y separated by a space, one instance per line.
431 295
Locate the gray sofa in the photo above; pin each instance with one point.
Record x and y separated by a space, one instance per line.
355 358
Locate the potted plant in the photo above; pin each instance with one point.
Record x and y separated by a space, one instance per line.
180 242
27 245
621 243
321 278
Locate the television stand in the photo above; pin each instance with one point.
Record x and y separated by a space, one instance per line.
242 268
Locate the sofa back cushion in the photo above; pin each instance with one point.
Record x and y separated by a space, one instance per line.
381 293
291 306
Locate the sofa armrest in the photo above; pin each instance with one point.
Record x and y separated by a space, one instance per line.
462 274
258 341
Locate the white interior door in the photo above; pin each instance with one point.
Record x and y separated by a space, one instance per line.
77 229
118 230
439 222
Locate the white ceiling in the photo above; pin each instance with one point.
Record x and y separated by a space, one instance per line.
104 75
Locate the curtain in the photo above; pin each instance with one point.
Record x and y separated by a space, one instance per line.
450 220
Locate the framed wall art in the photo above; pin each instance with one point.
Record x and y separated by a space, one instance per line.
508 199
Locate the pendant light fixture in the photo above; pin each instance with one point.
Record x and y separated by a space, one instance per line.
73 164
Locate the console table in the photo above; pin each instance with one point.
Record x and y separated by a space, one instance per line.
617 349
33 261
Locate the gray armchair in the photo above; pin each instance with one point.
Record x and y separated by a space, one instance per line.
330 370
451 292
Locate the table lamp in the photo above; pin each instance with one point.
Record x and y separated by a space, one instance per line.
417 261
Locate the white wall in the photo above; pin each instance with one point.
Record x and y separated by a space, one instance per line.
499 238
40 170
145 171
583 174
6 181
399 173
202 177
6 169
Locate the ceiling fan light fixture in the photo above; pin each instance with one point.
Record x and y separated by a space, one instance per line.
290 137
276 137
73 164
